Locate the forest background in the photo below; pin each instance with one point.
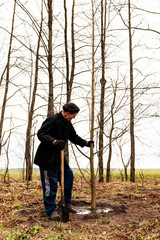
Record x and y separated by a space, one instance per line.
103 56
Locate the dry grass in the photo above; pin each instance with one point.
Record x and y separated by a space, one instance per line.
135 214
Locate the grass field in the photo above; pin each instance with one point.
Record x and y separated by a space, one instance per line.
115 174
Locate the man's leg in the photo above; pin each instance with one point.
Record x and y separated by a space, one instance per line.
49 184
68 184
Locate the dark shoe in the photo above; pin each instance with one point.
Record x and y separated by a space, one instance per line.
71 209
54 216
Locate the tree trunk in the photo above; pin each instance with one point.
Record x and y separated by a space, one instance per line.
101 130
123 162
31 111
7 78
132 140
103 82
126 175
110 137
73 54
50 21
6 174
66 51
69 81
93 188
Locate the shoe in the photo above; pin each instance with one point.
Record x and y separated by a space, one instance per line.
71 209
54 216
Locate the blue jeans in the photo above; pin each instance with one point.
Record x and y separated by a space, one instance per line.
49 184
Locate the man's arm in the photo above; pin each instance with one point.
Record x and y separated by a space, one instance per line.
44 133
74 138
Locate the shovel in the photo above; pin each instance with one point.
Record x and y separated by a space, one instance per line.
64 211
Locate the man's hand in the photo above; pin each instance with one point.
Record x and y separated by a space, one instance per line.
88 144
60 144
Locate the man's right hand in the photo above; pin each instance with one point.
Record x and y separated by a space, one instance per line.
60 144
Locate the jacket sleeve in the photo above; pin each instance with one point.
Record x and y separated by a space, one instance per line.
74 138
44 133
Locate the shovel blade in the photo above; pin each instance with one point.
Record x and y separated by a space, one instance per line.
64 214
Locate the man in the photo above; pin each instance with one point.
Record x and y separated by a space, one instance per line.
53 134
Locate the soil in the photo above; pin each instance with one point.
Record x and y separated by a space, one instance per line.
134 212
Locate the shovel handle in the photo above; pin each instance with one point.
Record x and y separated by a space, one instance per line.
62 177
64 210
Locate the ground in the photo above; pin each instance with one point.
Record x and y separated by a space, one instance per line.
134 212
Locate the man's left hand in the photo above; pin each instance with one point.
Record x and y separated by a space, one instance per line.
88 144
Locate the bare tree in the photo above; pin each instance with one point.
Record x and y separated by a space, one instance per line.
93 188
110 134
125 165
6 174
103 82
2 76
31 108
7 77
66 50
70 84
69 75
50 72
132 137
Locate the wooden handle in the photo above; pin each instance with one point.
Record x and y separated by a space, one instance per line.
62 177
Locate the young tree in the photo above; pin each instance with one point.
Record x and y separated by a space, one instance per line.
69 75
93 188
50 72
70 84
125 165
132 137
6 174
110 135
7 81
103 82
66 50
31 108
69 70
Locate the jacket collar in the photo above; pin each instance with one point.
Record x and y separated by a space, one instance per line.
62 118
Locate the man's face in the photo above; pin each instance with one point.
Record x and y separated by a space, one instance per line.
68 116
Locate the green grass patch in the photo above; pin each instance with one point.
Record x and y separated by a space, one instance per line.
19 174
119 174
139 174
16 206
27 233
136 191
148 173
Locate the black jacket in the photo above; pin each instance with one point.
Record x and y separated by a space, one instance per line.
54 127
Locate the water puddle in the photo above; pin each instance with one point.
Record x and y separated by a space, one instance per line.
83 211
105 210
88 211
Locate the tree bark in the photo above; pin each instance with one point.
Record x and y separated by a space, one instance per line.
132 138
108 174
50 22
93 187
73 54
103 82
31 110
66 51
7 78
69 80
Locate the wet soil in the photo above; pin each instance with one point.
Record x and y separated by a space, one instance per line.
134 211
